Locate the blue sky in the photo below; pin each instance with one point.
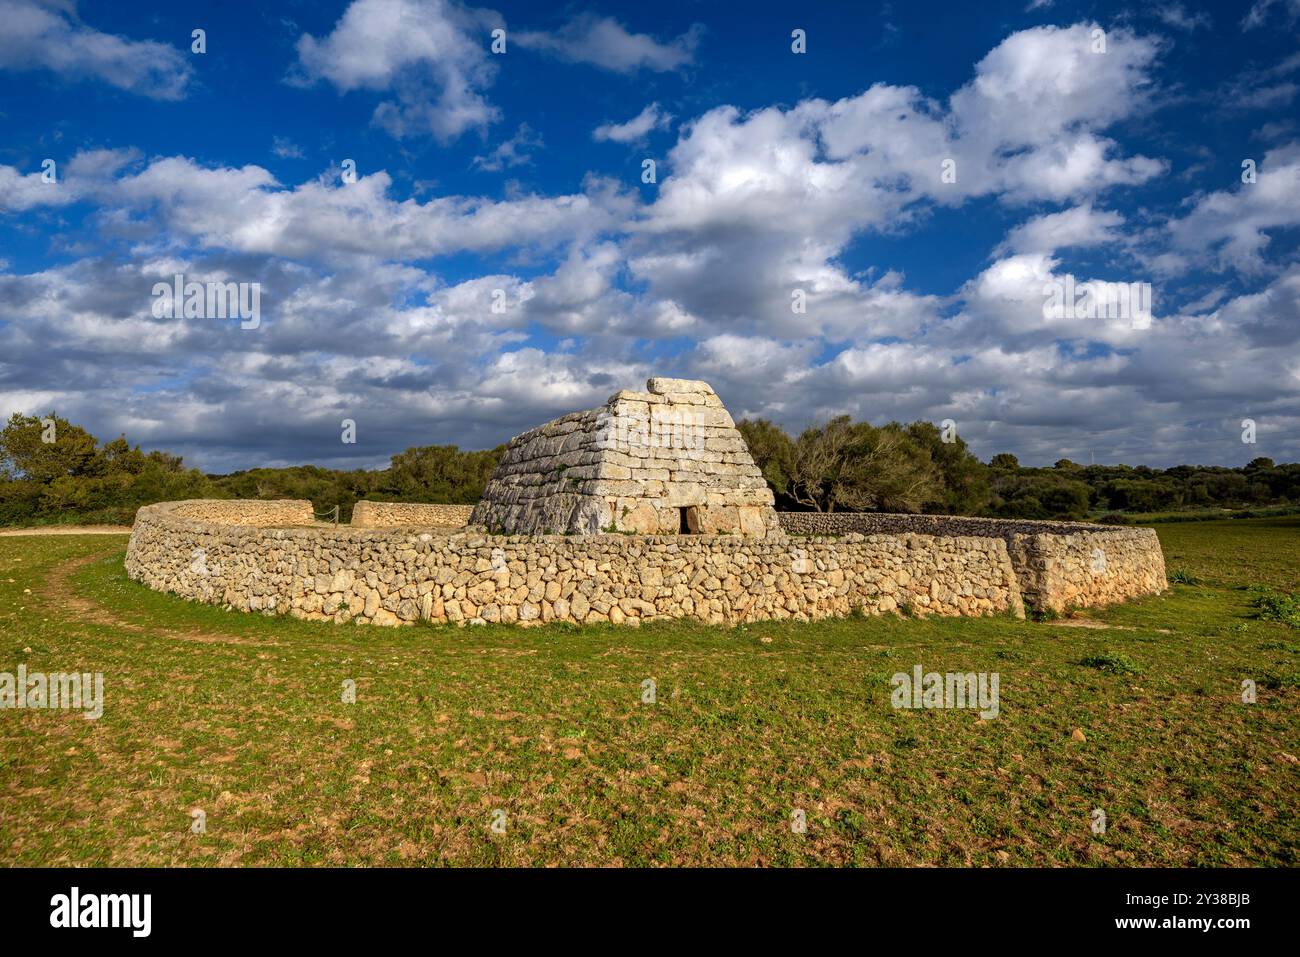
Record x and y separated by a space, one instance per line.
517 178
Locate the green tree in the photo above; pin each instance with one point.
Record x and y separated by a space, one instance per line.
1039 493
965 478
1066 499
846 465
772 451
439 473
27 455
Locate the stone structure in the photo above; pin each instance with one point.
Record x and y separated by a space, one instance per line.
395 576
1058 564
209 552
661 462
414 514
697 538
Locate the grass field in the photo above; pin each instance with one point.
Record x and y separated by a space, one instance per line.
242 717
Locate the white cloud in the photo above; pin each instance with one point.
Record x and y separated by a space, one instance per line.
750 207
81 177
1028 125
1260 10
1040 82
247 210
286 149
757 206
23 191
1230 228
1077 227
512 152
1270 317
605 43
433 54
635 129
1005 305
1176 15
433 57
50 36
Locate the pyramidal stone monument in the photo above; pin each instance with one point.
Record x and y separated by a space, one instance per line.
666 461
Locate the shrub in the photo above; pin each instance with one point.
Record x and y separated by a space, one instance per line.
1111 663
1278 606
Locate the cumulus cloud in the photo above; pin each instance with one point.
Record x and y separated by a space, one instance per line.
604 42
635 129
1271 317
1039 82
511 152
433 59
1077 227
1008 303
50 36
700 280
23 191
431 54
760 206
247 210
1028 127
83 177
1231 228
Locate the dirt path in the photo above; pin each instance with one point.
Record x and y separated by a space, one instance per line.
59 592
1094 623
68 530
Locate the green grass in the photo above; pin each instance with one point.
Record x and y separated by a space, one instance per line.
118 515
241 716
1208 514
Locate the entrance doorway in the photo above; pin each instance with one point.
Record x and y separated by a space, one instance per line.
689 522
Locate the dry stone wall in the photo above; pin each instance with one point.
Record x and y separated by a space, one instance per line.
260 513
398 576
888 523
1088 569
419 514
1059 565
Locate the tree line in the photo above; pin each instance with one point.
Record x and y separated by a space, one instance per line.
854 466
54 471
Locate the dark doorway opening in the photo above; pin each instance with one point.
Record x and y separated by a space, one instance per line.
689 522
